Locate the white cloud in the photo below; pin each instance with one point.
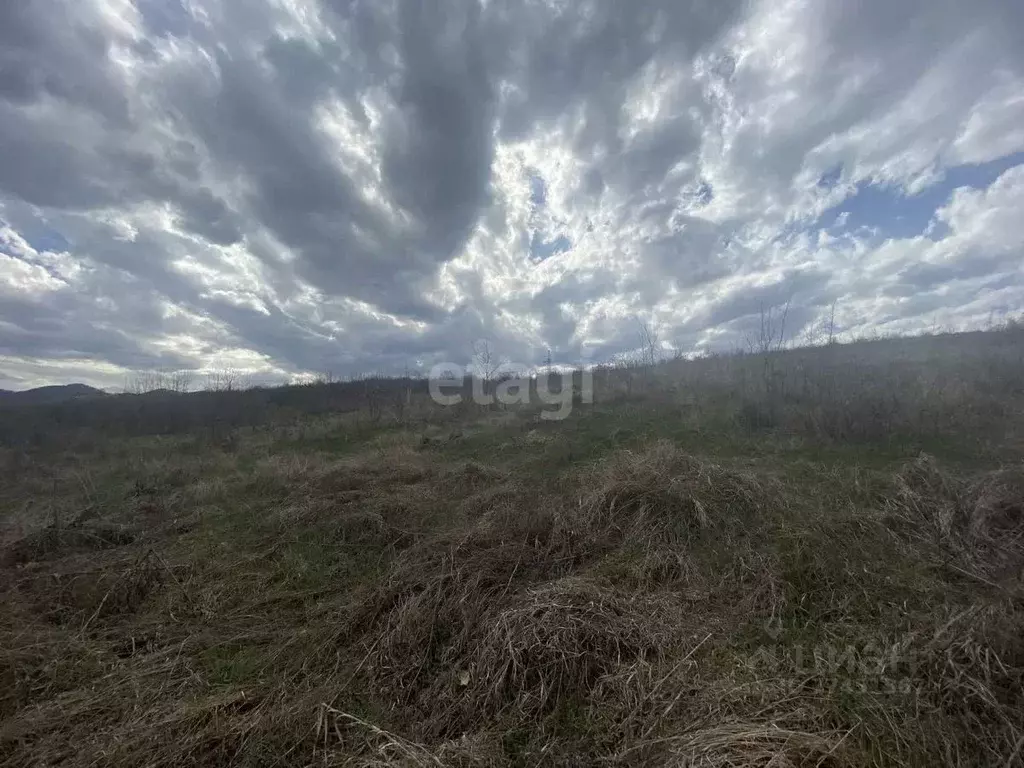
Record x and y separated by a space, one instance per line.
294 185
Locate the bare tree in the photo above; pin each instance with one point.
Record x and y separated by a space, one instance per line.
180 381
226 380
831 327
650 351
142 382
401 396
822 332
772 330
769 341
373 395
649 345
487 363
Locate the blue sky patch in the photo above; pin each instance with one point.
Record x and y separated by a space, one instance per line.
830 177
538 190
165 18
541 249
898 215
40 236
700 195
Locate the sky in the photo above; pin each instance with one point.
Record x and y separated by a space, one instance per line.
292 187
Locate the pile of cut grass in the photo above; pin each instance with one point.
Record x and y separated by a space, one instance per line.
978 520
663 493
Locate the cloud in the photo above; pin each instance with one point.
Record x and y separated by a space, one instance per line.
306 185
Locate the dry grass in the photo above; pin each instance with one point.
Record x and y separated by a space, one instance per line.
979 521
57 541
758 745
429 610
664 493
404 607
555 641
995 520
971 673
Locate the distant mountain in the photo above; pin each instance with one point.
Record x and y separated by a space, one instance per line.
154 394
50 395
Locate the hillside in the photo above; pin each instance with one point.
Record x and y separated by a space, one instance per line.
50 395
810 557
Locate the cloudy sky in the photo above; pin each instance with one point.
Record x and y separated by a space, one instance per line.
294 186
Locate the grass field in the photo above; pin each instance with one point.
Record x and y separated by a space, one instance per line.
802 558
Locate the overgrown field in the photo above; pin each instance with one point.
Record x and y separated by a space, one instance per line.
670 576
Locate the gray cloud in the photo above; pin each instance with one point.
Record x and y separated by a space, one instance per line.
350 185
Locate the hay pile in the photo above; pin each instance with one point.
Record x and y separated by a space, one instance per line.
506 621
979 521
553 643
429 608
995 521
662 493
